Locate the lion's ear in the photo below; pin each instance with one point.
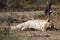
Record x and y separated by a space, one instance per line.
48 20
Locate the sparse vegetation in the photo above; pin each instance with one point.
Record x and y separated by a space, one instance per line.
13 12
20 5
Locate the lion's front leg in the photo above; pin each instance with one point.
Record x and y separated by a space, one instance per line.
43 29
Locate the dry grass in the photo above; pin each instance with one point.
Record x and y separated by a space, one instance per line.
29 35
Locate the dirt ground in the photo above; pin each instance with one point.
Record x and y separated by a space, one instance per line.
34 35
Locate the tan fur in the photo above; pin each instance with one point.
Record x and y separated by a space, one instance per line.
35 24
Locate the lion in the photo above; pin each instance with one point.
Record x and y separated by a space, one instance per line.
37 24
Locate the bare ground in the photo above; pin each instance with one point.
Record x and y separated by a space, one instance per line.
33 35
36 35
